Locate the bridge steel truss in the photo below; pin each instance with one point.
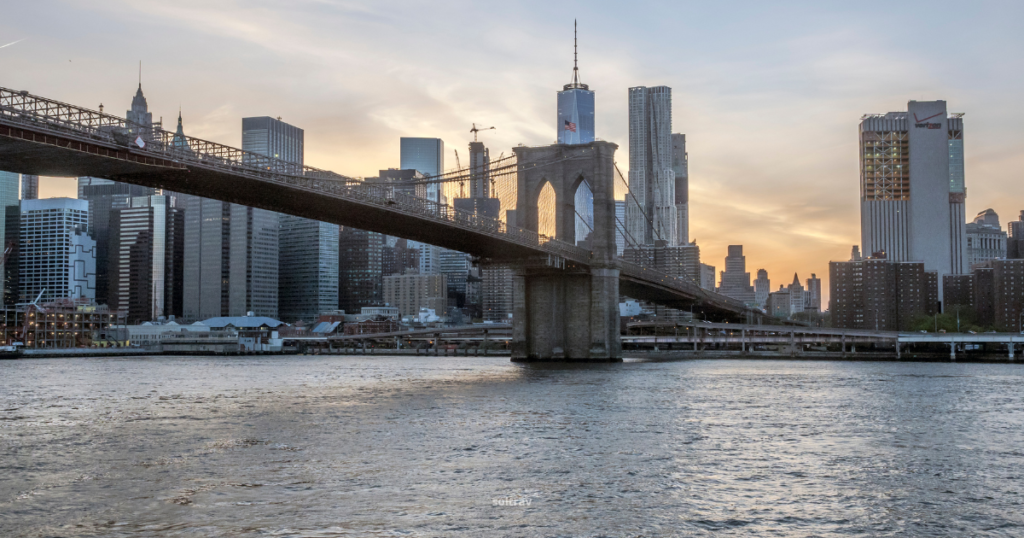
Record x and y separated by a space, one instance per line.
46 137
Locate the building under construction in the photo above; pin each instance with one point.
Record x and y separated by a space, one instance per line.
67 323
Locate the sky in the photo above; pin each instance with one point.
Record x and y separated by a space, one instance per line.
769 94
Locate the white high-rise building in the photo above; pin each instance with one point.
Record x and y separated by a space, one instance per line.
652 216
56 256
912 187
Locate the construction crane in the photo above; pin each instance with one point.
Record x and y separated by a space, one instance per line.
475 130
34 305
462 182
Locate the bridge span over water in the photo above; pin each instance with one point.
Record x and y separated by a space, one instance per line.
565 295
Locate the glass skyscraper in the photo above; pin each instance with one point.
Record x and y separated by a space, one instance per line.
273 138
9 212
425 155
307 269
575 121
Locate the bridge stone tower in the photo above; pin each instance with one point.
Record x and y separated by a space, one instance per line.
562 310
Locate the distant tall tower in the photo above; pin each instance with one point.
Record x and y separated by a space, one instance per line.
762 287
106 196
735 278
681 168
140 115
425 155
652 217
813 294
575 122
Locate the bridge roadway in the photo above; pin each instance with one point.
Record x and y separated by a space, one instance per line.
497 331
745 336
42 136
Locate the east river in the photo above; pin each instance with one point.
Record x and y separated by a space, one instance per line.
403 446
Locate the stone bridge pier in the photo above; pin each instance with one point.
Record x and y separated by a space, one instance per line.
561 310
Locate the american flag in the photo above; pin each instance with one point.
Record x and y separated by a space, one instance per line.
570 126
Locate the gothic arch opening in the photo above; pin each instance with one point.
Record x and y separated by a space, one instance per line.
584 218
547 223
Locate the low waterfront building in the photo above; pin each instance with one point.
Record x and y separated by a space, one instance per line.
152 333
63 324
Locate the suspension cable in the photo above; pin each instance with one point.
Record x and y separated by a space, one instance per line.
642 212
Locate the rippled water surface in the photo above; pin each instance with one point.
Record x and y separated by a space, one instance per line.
343 446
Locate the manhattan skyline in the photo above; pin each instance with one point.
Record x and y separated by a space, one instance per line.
771 121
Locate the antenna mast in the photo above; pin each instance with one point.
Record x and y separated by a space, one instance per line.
575 58
575 84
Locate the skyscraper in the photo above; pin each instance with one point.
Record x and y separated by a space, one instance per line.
307 265
9 212
146 251
231 251
652 217
29 187
105 197
912 187
360 270
762 287
813 296
273 138
735 279
575 121
681 168
141 118
425 155
56 255
308 268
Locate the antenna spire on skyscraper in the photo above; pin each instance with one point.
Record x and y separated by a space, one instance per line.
575 57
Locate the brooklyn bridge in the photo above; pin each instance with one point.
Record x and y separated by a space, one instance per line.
565 292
